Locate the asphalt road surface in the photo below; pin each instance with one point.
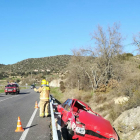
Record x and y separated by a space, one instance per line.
23 106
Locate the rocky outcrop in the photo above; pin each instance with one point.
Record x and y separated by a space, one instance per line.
55 83
128 124
121 100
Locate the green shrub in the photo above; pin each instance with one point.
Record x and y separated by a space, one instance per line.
18 80
125 56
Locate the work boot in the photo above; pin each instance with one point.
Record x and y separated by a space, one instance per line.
47 115
41 116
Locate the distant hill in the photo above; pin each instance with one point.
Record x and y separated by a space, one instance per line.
44 64
1 65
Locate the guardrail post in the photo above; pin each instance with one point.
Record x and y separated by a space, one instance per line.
54 131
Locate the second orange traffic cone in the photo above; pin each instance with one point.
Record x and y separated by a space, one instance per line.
19 127
36 106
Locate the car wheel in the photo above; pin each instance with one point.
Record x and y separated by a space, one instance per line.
70 134
65 133
6 93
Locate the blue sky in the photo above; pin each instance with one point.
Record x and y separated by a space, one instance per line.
41 28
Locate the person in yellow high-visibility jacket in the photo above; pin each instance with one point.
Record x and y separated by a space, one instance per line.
44 91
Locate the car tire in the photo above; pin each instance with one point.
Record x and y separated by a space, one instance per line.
65 133
6 93
70 134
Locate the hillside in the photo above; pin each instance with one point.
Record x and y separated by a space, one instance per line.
36 65
115 100
118 101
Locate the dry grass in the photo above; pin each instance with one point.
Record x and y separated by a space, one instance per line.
100 98
78 94
116 110
87 97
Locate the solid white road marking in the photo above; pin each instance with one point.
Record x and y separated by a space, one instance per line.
8 98
24 134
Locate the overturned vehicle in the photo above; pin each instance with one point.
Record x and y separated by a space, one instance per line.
79 122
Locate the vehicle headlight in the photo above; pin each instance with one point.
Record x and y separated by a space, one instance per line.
80 130
111 139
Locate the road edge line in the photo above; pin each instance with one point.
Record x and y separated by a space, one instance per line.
24 134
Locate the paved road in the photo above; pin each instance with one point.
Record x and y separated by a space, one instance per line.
22 105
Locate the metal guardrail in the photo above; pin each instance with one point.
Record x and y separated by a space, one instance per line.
55 129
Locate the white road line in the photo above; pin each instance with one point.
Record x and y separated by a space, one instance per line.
8 98
24 134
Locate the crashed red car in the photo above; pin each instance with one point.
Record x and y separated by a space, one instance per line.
84 124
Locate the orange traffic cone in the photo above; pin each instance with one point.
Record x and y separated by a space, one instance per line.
19 127
36 106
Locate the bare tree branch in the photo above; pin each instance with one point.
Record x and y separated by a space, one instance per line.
136 39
